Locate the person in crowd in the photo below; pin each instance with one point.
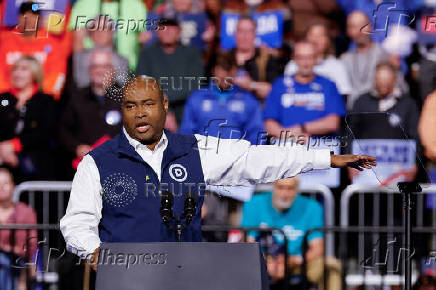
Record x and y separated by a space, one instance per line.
384 98
92 115
400 120
327 65
361 62
224 111
27 121
257 68
24 243
224 108
286 209
399 12
128 36
29 38
427 125
101 38
177 67
398 45
304 104
306 12
197 29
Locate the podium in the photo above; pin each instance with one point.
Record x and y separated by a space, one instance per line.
181 266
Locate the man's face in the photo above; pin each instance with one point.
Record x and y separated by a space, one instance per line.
318 35
384 82
28 21
169 35
6 186
305 58
100 69
285 191
355 22
245 34
144 111
224 76
183 5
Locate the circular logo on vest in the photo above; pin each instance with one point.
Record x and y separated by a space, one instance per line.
119 189
178 172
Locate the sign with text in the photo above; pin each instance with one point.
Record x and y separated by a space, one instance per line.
395 160
269 29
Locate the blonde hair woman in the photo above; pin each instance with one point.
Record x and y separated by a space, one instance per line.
27 118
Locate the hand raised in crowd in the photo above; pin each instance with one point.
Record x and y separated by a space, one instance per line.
7 154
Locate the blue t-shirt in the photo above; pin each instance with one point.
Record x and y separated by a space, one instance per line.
233 113
291 103
304 214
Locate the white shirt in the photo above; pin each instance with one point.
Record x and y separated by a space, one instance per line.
227 162
330 68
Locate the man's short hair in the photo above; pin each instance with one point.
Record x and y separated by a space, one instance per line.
246 17
225 60
29 7
143 82
386 64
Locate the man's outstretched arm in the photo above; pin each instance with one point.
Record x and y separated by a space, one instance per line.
236 162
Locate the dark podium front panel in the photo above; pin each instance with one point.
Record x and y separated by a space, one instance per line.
181 266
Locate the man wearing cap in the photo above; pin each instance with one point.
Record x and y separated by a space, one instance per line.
178 68
115 194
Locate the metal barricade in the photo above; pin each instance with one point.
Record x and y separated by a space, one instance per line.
375 208
328 203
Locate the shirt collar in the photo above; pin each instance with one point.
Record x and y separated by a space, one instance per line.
138 145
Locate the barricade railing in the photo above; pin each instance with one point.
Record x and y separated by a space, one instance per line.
385 209
328 203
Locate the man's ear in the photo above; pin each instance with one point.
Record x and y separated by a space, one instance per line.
165 103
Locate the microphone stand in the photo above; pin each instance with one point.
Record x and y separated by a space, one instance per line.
407 188
190 208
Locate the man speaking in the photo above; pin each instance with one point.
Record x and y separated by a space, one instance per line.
115 192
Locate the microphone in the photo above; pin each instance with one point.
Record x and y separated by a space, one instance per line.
166 208
190 207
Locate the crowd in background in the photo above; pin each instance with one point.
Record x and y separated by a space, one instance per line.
73 63
62 71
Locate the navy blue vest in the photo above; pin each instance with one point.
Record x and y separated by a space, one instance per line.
131 202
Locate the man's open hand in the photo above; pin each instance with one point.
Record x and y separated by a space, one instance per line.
355 161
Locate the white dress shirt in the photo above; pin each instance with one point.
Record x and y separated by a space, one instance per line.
226 162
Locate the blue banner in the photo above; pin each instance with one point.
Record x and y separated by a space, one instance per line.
269 29
395 159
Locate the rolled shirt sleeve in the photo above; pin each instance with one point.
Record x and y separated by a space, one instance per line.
79 226
237 162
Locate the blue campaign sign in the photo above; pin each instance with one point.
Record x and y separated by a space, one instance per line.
395 159
193 26
269 28
228 28
426 27
12 7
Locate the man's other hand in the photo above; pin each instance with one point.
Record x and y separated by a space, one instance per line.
94 259
358 162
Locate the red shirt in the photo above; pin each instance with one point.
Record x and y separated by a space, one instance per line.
52 51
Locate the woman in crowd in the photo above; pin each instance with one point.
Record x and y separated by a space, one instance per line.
27 118
328 65
16 246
